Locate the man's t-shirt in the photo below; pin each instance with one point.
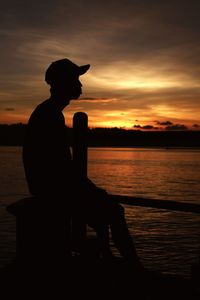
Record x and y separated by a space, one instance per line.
46 152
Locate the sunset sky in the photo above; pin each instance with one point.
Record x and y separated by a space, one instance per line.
144 56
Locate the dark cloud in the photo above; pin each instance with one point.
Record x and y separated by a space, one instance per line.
146 127
149 127
176 127
10 109
164 123
196 125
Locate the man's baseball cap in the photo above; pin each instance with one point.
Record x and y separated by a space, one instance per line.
63 68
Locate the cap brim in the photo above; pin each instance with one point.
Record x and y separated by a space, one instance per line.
83 69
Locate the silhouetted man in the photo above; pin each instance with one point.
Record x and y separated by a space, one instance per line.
49 167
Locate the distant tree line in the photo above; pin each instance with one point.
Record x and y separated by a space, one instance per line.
114 137
138 138
12 135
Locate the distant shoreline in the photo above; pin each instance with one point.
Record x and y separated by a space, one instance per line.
13 135
128 147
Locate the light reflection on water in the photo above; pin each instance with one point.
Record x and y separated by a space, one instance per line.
167 241
151 173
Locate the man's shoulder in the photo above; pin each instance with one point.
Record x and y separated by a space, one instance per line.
42 110
44 106
45 113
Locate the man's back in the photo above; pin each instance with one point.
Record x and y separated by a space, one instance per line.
46 154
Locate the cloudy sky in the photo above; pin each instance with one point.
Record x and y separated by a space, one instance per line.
144 56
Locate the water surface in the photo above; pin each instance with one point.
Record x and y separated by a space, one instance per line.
166 241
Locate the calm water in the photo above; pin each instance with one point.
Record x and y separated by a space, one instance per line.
166 241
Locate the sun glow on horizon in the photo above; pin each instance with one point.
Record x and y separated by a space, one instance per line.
136 83
141 76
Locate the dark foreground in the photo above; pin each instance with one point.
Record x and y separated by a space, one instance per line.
80 278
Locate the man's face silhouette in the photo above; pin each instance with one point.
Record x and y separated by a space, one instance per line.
68 89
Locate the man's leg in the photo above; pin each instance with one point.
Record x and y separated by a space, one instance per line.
120 233
102 231
97 220
101 214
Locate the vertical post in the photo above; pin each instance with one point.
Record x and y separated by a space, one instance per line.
80 127
79 151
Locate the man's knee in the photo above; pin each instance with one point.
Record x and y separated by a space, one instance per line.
117 210
120 209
